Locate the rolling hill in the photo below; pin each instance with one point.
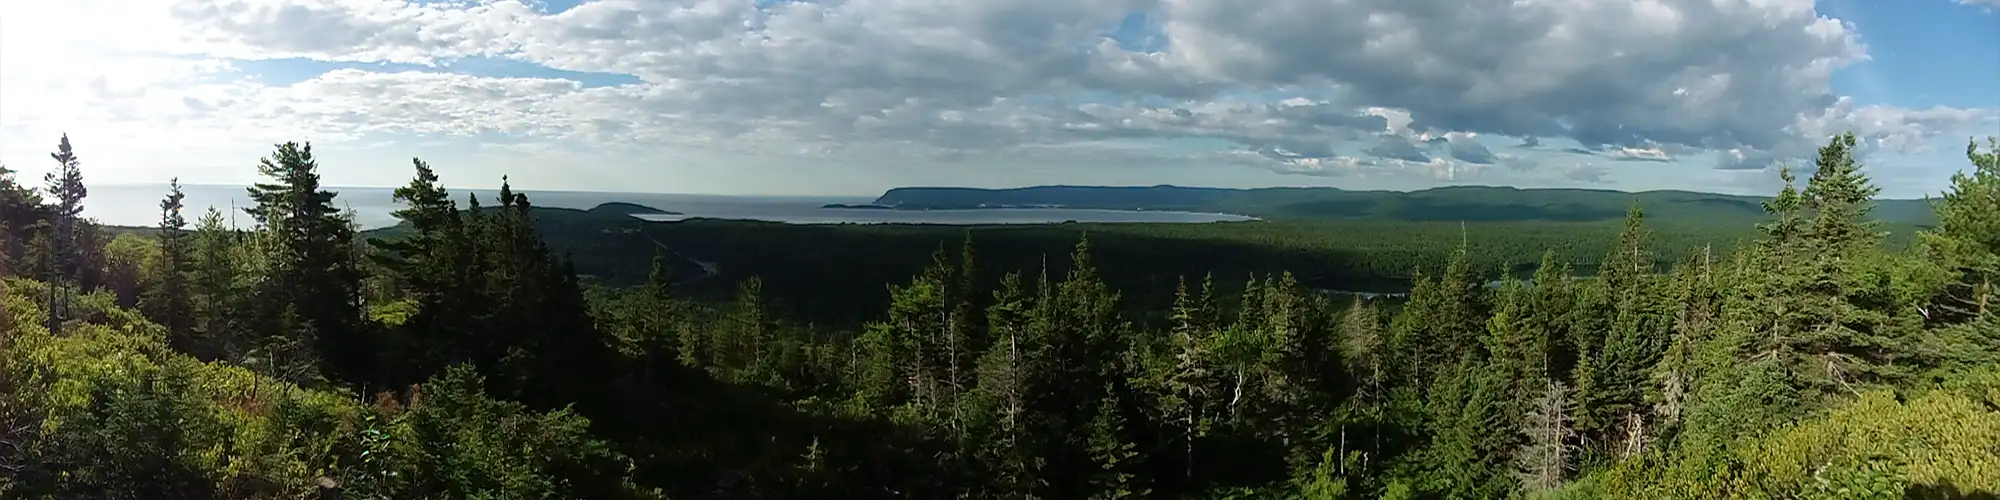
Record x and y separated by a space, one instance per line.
1456 203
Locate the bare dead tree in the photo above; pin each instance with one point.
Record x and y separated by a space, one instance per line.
1545 459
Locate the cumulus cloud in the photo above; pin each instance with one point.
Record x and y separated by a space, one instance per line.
1398 148
1353 88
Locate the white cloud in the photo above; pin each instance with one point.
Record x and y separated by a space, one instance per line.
1360 88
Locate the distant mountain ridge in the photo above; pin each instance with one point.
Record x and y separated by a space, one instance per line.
1467 203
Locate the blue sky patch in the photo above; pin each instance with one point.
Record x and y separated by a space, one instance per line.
1922 53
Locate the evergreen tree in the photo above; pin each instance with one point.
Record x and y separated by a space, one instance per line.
662 310
1696 314
1472 431
1824 329
1287 373
1613 409
1443 319
313 268
1008 383
214 288
1086 342
1238 351
1964 252
20 209
65 257
751 343
1183 391
963 340
7 243
1116 456
1546 327
1462 314
1508 340
168 300
1411 355
1840 197
1631 260
429 263
660 282
9 240
1966 242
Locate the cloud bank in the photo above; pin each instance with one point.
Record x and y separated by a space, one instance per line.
1364 89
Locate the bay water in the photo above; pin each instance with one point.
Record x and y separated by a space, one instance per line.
139 205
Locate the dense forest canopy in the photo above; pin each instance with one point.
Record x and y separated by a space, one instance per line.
834 273
463 355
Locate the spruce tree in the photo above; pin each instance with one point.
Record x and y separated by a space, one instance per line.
1362 352
1443 319
6 245
1840 198
1696 310
425 259
168 301
1116 456
1630 261
313 268
1087 342
662 312
965 339
14 210
1238 353
1546 327
660 281
1184 391
1411 354
1613 409
20 206
1461 315
1473 433
1966 242
429 263
1507 338
1008 383
1963 257
1288 368
1823 329
214 287
65 184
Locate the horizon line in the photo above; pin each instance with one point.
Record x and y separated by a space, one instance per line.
885 191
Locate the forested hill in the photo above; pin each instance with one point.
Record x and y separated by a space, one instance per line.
1469 203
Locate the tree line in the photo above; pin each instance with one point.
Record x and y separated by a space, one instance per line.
463 358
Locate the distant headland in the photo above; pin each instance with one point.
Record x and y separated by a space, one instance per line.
623 208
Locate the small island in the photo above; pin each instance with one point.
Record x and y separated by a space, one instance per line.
857 207
623 208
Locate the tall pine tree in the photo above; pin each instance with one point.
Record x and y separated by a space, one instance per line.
312 265
168 300
64 255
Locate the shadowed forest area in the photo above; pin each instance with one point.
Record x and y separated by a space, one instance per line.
486 348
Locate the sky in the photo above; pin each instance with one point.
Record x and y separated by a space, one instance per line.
851 97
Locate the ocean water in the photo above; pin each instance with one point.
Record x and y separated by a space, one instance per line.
139 205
